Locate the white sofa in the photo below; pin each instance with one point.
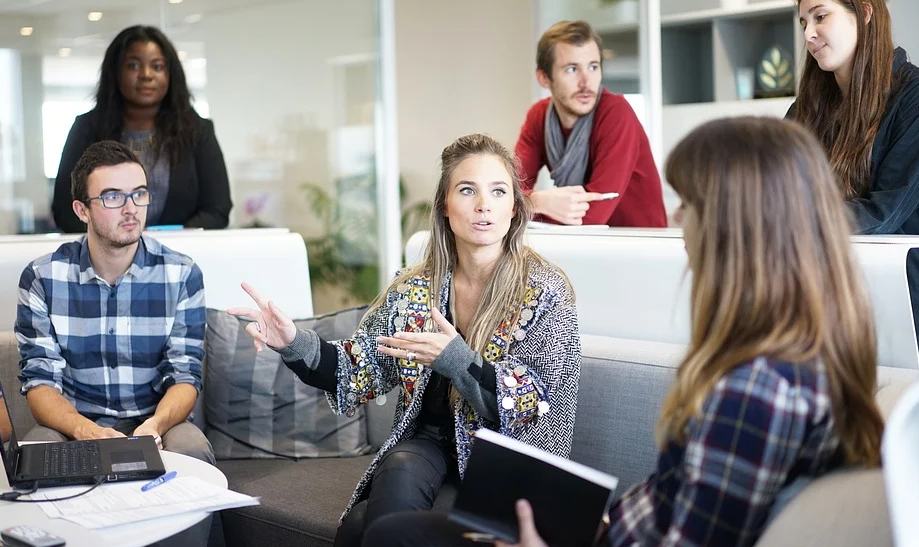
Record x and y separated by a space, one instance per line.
273 260
624 380
634 283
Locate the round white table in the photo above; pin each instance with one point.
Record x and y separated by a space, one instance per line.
126 535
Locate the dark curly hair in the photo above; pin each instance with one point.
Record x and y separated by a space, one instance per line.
176 119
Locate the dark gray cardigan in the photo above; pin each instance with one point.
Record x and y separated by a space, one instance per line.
891 205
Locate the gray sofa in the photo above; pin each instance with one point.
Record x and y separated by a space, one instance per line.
622 385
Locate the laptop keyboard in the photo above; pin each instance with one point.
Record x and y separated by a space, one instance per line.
62 460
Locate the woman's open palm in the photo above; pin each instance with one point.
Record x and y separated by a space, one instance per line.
269 325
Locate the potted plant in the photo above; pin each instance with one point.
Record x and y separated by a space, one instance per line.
345 254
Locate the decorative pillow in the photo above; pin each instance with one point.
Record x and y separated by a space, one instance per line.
257 408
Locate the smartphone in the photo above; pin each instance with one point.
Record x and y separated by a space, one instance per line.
609 195
27 536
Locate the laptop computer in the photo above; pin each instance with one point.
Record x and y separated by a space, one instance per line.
75 462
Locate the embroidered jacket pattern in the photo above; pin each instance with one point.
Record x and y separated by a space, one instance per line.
541 351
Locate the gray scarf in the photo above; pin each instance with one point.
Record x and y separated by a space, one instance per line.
569 159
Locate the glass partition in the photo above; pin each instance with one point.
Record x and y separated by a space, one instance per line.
293 90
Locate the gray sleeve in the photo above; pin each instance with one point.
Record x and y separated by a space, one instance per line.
471 376
305 347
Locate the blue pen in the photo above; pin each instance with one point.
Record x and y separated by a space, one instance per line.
165 227
159 480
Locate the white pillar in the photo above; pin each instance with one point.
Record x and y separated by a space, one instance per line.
33 193
649 52
387 147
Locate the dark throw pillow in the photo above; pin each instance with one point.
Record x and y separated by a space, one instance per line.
257 408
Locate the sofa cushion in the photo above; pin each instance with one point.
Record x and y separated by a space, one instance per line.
623 383
257 408
301 501
9 377
892 384
844 508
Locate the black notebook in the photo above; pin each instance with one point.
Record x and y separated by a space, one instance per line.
569 499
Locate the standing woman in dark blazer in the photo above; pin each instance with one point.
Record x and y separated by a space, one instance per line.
860 96
143 101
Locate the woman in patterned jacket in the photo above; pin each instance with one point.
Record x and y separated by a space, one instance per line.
482 333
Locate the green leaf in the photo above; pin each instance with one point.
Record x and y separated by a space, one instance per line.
769 68
767 80
347 253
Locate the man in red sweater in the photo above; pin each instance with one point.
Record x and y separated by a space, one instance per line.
589 138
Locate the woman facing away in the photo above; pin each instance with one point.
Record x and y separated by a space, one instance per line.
777 386
860 96
142 100
482 333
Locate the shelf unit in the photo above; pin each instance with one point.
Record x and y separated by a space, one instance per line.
703 44
621 70
706 42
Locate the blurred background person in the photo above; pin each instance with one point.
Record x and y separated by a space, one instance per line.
142 100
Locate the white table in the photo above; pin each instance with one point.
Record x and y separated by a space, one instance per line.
126 535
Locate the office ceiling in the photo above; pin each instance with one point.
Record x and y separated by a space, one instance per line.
53 6
60 24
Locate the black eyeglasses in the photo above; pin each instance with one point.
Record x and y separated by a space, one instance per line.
116 200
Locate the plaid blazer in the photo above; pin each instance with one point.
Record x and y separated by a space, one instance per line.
763 425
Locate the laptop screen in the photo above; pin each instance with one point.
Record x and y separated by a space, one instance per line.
8 444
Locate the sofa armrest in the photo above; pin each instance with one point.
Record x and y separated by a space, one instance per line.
843 509
9 377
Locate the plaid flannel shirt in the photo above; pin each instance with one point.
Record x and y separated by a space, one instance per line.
112 351
764 425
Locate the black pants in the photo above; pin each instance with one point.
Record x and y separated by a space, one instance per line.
408 480
418 529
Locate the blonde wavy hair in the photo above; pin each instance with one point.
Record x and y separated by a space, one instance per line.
507 287
772 272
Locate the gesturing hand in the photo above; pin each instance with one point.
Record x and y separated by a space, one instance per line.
424 347
269 326
529 537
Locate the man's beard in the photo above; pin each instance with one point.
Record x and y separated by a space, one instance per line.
112 240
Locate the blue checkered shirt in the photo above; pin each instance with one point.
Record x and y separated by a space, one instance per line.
112 351
764 425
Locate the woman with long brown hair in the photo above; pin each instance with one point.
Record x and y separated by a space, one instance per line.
860 96
778 382
777 386
483 332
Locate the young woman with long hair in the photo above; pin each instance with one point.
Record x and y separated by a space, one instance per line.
778 382
483 332
143 101
860 96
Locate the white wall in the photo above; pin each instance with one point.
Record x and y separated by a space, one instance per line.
905 15
272 94
462 67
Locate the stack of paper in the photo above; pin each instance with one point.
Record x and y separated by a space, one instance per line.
124 502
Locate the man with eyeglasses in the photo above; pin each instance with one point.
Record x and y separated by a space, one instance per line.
111 326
